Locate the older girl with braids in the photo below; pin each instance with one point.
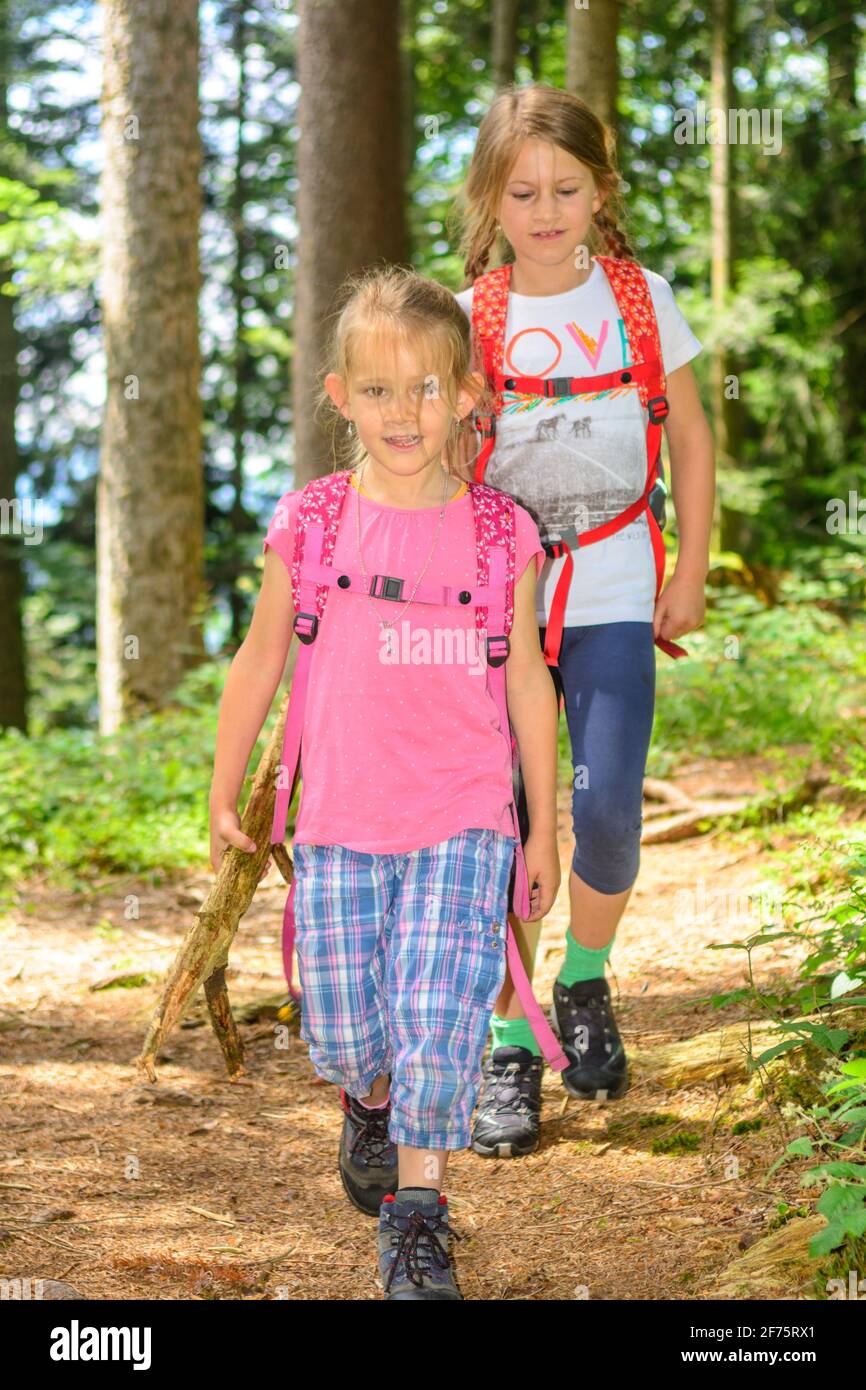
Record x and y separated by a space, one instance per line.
587 356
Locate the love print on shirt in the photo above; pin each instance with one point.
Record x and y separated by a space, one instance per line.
590 347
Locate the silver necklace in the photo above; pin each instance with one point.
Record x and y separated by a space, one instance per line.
386 625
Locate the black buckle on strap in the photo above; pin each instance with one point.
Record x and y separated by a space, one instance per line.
503 647
557 386
310 636
658 409
556 549
385 586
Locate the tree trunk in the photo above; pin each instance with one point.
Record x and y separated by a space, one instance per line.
407 19
351 208
13 680
591 61
847 193
150 512
735 530
241 522
536 12
504 42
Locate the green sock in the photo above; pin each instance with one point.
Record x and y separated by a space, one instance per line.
581 962
512 1032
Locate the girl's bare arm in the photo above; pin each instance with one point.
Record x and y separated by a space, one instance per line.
251 684
680 608
534 712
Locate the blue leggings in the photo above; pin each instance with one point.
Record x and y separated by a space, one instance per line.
607 673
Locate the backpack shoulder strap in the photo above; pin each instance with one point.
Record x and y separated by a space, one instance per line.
489 312
634 302
493 512
320 507
317 522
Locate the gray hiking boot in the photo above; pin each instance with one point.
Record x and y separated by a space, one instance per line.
368 1159
413 1246
506 1123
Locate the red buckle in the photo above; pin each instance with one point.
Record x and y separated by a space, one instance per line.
486 425
656 415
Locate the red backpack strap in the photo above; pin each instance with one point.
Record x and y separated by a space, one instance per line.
489 312
634 302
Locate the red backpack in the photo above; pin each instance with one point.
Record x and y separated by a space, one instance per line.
635 306
490 591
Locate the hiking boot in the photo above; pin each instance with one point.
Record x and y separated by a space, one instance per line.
507 1119
368 1159
413 1247
582 1018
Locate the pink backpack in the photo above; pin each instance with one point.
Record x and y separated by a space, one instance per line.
490 591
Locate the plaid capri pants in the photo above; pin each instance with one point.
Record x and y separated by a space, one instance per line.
400 960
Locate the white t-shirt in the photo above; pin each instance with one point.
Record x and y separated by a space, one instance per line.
578 461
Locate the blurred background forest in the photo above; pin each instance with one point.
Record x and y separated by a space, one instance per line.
182 189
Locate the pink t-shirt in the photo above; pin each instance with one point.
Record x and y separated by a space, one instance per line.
404 751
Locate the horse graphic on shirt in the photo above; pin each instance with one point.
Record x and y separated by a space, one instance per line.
549 428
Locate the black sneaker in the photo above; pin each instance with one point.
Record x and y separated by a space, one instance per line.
583 1019
507 1119
368 1159
413 1247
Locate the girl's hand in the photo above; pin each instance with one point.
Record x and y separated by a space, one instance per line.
681 607
544 874
225 830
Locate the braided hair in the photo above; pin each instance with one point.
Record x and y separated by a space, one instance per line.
545 113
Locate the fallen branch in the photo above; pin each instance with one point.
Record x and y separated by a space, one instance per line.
203 955
722 1054
703 815
654 810
655 789
695 821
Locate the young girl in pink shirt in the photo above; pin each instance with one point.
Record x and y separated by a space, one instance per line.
406 833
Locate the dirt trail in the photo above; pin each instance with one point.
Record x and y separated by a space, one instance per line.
101 1175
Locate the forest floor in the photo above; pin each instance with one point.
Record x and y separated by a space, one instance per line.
199 1188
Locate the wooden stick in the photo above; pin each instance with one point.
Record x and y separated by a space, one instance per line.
656 789
204 952
701 816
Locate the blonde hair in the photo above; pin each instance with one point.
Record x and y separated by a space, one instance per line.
400 307
541 113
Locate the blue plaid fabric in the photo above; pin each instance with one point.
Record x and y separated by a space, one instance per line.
400 960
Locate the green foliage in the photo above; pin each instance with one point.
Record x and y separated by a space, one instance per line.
827 1095
43 244
746 1126
753 684
59 630
75 804
684 1142
130 981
